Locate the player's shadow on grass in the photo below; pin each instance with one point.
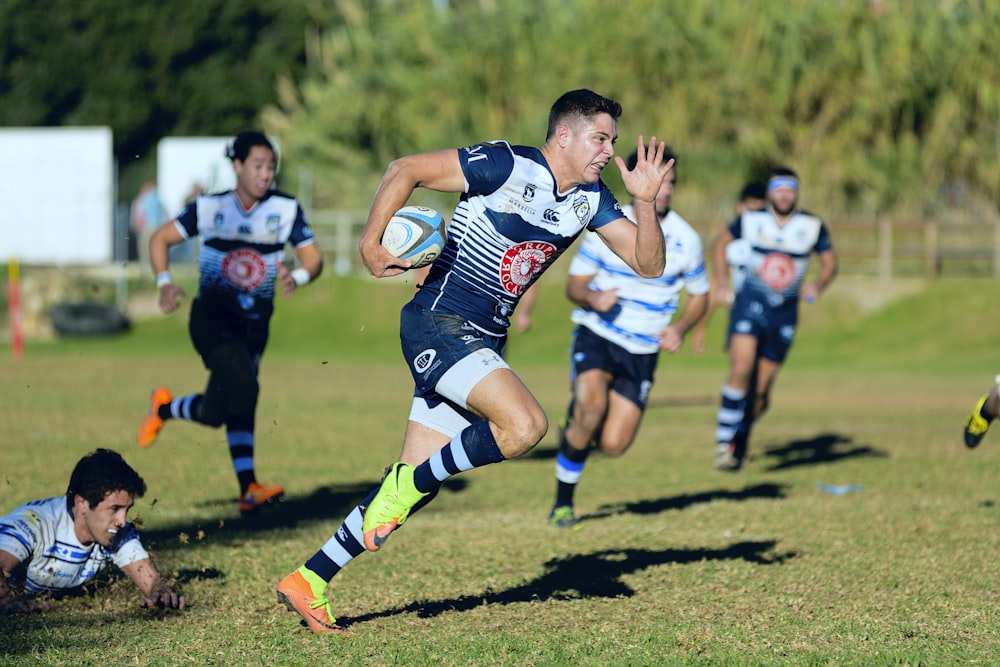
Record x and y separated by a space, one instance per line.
595 575
823 448
656 506
327 503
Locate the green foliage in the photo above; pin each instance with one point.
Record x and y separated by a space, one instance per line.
147 70
883 108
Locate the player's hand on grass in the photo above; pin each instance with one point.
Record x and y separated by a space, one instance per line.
165 599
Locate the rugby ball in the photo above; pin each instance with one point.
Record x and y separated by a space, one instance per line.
416 233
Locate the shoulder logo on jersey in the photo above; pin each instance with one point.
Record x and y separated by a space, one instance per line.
777 271
581 206
474 153
273 223
244 268
522 262
529 192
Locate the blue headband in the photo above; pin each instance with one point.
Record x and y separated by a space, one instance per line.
783 182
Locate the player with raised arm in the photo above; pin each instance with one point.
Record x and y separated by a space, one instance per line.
520 208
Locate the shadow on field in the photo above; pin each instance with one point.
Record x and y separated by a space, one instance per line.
327 503
596 575
686 500
823 448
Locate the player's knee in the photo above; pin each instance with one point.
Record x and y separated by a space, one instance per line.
614 447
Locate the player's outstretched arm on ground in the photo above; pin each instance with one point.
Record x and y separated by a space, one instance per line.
155 592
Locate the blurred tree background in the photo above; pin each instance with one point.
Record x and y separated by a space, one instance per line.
886 108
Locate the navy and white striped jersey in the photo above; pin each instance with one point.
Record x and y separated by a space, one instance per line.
645 305
240 249
779 254
509 226
40 534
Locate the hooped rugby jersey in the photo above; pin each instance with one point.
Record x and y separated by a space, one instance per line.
645 305
779 254
510 224
40 534
240 249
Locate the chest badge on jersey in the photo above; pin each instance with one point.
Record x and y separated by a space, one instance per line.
529 192
244 268
521 262
273 223
778 271
582 208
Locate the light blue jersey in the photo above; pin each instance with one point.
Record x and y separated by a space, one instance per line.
509 226
40 534
645 305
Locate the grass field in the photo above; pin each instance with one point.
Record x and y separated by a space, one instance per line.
675 563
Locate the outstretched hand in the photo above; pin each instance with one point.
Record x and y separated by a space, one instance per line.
165 599
643 182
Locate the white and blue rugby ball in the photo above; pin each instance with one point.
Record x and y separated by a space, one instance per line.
416 233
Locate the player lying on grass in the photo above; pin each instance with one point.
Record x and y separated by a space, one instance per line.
50 547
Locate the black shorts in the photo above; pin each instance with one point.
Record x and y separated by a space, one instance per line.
631 374
214 323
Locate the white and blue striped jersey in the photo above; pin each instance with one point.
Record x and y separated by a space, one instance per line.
240 249
40 534
645 305
509 226
779 254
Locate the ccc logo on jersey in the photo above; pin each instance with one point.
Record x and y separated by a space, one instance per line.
521 262
244 268
778 271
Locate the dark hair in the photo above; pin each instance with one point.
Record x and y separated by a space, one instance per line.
101 472
580 103
754 190
240 146
668 155
783 171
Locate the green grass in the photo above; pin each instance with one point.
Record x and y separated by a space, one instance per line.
675 563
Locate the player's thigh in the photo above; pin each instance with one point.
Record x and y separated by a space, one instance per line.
517 419
742 357
767 372
620 425
590 390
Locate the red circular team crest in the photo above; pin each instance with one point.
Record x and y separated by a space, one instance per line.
521 262
244 268
778 271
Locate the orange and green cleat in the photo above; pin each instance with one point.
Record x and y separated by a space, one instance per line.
298 592
151 423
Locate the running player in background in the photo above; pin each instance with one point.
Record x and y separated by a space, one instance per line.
520 208
765 311
623 321
243 235
52 547
753 197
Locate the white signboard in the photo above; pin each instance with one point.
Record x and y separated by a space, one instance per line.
57 188
186 166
